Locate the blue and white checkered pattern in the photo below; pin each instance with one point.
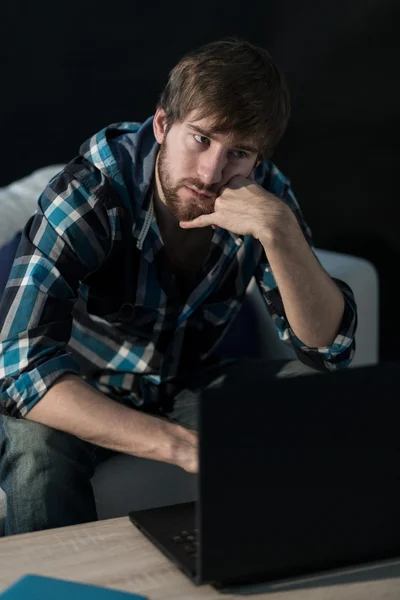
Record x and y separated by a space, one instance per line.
45 329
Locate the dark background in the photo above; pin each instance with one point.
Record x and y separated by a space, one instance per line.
69 70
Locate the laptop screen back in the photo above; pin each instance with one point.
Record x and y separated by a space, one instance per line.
299 475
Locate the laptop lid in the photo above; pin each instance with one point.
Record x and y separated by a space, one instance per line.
298 475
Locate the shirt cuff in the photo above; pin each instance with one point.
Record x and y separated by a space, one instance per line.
341 352
18 395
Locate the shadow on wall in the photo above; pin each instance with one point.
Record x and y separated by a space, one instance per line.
386 260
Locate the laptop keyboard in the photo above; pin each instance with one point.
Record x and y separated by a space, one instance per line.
187 540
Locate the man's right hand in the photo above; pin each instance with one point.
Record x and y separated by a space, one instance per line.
184 447
73 406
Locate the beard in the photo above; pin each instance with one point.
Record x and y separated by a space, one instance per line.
182 209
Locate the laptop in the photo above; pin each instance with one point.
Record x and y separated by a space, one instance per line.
300 476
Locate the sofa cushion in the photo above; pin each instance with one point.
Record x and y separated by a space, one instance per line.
18 200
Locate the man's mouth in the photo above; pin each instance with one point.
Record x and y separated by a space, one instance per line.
201 194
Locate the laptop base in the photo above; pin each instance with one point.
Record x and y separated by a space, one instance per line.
163 525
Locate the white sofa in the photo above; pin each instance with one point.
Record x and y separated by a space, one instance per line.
124 482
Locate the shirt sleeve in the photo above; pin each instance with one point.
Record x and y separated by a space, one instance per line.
65 240
325 358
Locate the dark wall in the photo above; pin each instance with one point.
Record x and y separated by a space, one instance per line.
67 71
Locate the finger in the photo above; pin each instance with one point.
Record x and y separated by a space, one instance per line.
192 464
202 221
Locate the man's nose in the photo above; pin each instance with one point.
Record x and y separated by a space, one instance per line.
211 167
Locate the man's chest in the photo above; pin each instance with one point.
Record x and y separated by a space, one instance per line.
187 254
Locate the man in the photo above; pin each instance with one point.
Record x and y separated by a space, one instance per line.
128 275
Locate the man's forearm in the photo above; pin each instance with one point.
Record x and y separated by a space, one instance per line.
313 302
71 405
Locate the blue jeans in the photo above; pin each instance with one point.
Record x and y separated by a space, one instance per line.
46 473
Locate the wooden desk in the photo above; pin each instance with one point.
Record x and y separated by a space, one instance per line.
115 554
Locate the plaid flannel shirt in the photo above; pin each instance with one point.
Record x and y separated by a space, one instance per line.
71 304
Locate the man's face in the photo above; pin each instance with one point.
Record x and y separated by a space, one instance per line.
189 158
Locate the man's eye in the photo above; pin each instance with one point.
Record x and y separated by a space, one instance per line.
241 152
202 137
238 153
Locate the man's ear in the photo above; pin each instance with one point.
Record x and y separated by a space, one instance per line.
159 125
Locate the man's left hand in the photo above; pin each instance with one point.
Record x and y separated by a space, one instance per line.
244 208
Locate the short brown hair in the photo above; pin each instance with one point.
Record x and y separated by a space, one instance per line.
235 82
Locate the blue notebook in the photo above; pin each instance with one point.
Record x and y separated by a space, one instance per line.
36 587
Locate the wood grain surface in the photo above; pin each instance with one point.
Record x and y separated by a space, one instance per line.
115 554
